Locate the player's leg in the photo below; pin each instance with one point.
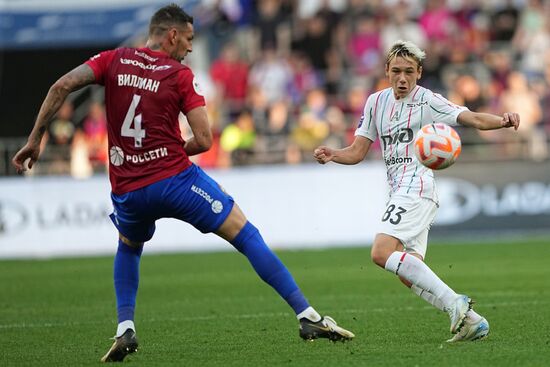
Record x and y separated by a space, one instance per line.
418 246
246 238
199 200
475 326
135 228
415 271
401 247
126 279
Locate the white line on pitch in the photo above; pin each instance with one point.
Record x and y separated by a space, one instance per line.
254 316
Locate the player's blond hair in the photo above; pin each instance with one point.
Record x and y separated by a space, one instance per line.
406 49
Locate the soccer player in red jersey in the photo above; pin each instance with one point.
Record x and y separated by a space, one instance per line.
150 172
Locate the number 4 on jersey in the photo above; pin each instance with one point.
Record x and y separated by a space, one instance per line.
137 132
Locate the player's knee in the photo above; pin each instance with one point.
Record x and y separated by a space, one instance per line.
233 224
380 252
243 238
378 256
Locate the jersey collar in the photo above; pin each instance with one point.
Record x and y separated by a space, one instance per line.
153 53
409 96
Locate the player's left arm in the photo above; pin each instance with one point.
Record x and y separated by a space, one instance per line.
75 79
201 140
488 121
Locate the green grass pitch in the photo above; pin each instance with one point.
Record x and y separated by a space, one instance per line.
212 310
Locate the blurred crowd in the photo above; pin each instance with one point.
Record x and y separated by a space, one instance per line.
281 77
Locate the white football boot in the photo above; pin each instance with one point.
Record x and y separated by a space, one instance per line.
457 312
472 330
324 328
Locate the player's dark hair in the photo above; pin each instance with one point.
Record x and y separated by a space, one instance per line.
168 16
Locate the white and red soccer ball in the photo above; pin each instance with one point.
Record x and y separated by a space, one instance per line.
437 146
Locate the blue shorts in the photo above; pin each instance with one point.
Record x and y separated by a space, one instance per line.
191 196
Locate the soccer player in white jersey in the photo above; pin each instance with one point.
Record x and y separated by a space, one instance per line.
394 116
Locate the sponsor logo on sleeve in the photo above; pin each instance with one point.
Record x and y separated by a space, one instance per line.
361 120
197 87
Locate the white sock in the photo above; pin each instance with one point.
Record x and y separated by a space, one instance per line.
427 296
418 273
123 326
310 314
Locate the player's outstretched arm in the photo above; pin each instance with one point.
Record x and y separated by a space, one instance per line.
202 134
488 121
73 80
352 154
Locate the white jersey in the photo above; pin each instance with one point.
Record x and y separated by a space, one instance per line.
395 123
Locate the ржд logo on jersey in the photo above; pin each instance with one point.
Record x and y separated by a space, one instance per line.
404 135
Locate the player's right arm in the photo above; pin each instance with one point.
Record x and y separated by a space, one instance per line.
70 82
364 136
202 134
351 154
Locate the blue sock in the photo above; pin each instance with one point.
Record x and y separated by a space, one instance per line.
268 266
126 274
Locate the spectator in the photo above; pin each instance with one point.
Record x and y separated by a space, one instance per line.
467 91
304 77
499 61
80 158
504 22
95 133
272 26
438 22
230 74
526 102
400 26
271 75
273 144
313 123
531 20
239 139
316 43
60 137
364 47
535 46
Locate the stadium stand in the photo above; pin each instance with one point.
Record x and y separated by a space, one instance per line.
282 76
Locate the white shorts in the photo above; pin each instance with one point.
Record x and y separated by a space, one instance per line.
409 219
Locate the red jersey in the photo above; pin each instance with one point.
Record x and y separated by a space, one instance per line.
145 91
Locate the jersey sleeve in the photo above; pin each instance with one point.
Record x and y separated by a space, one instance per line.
367 124
100 63
191 95
444 111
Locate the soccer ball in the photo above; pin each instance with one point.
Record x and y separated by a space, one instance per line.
437 146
